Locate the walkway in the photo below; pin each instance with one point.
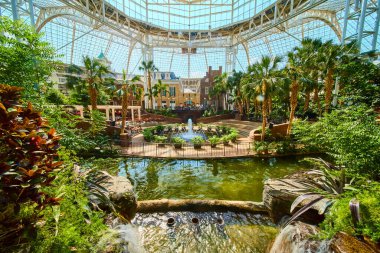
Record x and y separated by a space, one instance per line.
244 127
143 149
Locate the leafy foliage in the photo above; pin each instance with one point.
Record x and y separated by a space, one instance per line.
350 135
339 217
28 160
25 60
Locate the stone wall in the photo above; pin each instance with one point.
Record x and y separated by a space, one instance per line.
215 118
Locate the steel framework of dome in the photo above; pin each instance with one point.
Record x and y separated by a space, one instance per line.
187 36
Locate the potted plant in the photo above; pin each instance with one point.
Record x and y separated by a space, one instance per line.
197 141
225 139
178 142
214 140
233 136
160 140
148 134
160 129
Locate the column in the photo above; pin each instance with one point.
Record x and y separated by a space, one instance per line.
133 114
139 112
113 114
107 113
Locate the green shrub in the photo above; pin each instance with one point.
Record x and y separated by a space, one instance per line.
214 140
178 140
148 134
159 128
261 146
160 139
350 135
233 136
339 217
225 139
197 140
56 97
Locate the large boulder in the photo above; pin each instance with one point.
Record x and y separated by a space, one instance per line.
298 238
121 194
279 194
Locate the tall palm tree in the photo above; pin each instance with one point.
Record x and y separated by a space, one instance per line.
94 71
149 68
235 87
160 88
124 92
294 71
265 76
331 54
220 87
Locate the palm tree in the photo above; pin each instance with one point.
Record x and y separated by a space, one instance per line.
235 87
148 68
94 71
124 92
294 71
160 88
265 77
331 54
220 87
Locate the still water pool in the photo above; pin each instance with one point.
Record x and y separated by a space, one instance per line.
227 179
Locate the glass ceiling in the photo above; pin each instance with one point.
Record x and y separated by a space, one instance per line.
192 15
76 34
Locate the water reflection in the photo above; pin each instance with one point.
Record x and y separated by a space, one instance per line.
230 179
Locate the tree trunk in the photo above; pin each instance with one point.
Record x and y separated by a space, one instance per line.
269 105
93 96
329 82
264 111
150 91
316 99
124 109
293 103
307 101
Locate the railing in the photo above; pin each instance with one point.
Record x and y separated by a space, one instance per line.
168 150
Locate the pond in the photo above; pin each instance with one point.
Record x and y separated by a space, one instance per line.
227 179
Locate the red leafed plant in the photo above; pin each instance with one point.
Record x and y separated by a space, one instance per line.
28 153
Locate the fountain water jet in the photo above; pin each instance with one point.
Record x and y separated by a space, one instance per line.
187 136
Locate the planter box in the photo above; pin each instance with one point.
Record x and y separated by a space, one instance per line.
197 146
177 146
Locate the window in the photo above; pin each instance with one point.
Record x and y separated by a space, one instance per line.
206 90
172 91
163 93
62 80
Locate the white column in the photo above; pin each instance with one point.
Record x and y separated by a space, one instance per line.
133 114
113 114
139 113
107 113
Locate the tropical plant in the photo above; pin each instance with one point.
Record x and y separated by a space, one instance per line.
330 182
148 134
28 160
265 78
56 97
160 139
159 89
214 140
225 139
234 85
220 88
149 68
197 141
350 135
94 71
25 59
124 93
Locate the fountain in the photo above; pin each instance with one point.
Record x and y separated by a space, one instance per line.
187 136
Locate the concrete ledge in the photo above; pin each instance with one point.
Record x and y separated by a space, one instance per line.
196 205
